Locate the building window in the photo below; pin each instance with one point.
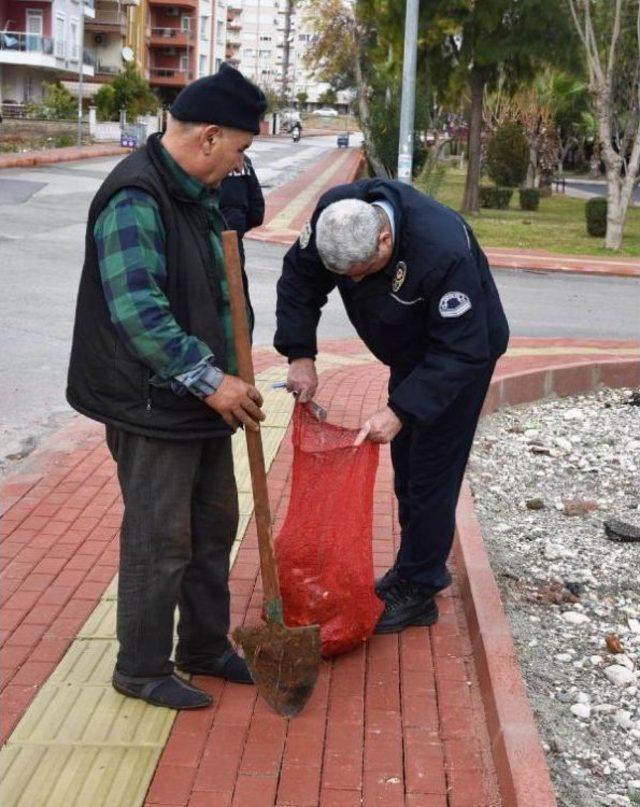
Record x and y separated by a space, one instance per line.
265 39
265 54
60 36
73 33
203 65
204 28
184 64
249 52
218 63
220 26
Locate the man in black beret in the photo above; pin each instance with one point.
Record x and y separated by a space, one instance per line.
153 359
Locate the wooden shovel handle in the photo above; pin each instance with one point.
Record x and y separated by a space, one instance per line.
262 510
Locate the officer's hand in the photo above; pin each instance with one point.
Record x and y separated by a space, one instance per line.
381 428
237 402
302 379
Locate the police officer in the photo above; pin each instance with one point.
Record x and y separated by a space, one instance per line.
419 291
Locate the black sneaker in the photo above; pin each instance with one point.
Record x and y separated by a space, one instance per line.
406 605
391 578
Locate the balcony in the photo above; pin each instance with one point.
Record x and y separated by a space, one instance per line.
21 48
171 37
106 71
107 22
169 77
192 4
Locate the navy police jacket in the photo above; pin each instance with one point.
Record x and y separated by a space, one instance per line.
433 315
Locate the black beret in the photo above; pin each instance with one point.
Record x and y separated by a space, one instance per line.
226 98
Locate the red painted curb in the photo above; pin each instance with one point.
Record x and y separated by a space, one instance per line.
523 775
30 159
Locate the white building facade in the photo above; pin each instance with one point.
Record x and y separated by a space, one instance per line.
41 41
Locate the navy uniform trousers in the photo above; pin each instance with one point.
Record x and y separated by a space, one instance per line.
429 464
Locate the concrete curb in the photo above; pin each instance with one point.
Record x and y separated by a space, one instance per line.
30 159
534 261
521 767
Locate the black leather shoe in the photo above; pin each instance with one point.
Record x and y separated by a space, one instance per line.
391 578
229 666
406 605
169 691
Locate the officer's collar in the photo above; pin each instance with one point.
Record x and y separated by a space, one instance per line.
386 193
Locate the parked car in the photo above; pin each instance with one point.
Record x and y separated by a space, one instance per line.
325 110
343 140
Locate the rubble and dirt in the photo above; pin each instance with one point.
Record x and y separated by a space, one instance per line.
557 492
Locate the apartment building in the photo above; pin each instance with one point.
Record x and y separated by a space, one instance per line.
41 40
267 40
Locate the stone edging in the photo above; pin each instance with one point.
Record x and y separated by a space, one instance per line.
29 159
523 775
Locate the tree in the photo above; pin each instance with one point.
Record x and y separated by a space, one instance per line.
337 49
610 34
329 97
493 40
129 90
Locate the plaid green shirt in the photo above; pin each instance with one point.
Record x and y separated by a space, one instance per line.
130 239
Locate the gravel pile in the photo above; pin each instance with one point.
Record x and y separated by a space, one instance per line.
557 491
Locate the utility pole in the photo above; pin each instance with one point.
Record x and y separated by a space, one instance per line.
286 51
408 104
80 72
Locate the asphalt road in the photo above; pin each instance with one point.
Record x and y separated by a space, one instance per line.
42 222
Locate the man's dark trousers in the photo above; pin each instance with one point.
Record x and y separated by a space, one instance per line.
180 520
429 464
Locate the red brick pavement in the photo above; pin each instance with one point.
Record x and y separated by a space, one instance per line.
400 717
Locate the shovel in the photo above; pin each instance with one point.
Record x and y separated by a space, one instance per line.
283 662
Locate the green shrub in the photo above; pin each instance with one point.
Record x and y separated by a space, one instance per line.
596 214
495 198
529 198
57 102
432 175
508 155
63 140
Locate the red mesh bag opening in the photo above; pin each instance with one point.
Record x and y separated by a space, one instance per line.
324 549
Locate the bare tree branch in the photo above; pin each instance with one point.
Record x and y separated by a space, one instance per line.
614 39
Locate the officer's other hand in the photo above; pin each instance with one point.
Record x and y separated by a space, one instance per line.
237 402
381 428
302 379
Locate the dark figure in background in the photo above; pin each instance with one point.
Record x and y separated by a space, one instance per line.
241 201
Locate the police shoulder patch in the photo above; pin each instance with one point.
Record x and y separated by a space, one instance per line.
454 304
305 235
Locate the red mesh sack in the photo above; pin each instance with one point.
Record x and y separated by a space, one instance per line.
324 549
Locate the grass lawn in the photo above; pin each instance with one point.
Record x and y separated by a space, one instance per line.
557 226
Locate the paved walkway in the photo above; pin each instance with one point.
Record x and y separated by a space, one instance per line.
397 722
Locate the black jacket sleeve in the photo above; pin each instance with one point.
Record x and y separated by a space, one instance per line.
255 213
302 291
458 346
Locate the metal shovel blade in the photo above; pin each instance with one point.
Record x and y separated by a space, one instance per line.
283 662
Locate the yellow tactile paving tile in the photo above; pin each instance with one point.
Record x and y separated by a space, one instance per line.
81 744
75 776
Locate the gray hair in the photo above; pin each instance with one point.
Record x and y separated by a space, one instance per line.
347 233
